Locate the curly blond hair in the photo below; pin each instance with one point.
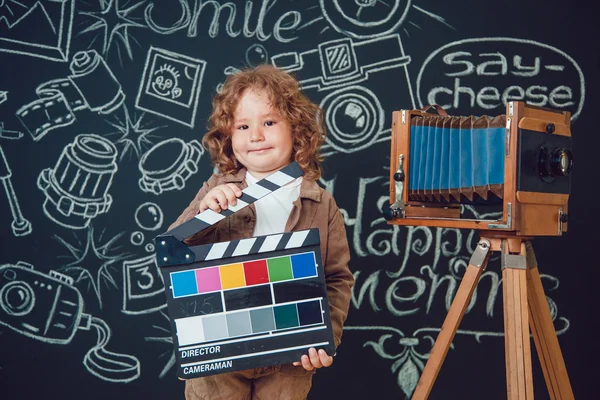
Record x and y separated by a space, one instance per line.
286 97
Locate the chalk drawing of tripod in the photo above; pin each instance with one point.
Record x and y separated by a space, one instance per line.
20 226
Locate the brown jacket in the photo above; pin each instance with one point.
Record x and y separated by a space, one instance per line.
315 208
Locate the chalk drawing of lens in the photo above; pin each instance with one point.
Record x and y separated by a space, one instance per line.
168 165
143 288
362 19
77 187
95 81
354 118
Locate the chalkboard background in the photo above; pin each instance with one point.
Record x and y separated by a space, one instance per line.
147 71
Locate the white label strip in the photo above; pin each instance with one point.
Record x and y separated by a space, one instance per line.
243 247
261 353
279 178
270 243
217 250
210 217
238 205
296 240
256 191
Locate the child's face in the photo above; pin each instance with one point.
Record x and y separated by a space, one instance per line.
260 137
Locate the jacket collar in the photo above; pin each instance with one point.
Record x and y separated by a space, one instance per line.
238 177
309 189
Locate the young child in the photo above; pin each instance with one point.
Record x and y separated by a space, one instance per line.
261 122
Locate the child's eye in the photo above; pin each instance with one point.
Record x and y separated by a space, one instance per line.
243 127
270 123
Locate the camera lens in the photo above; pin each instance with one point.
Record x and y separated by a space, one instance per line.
17 298
553 162
561 162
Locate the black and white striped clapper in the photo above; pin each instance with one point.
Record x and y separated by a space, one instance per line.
248 303
250 194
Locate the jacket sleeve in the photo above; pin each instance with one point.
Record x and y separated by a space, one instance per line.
192 210
338 277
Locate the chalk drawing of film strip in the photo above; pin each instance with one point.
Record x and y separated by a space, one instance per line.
249 195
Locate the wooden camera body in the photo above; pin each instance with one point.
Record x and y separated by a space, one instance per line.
522 159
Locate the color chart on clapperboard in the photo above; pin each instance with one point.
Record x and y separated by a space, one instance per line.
235 315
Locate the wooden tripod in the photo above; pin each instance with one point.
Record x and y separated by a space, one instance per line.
525 306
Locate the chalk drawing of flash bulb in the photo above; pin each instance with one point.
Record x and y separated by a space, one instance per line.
91 86
77 187
143 286
170 86
38 29
169 164
48 308
344 62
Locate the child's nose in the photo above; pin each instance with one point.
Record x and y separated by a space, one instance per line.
257 134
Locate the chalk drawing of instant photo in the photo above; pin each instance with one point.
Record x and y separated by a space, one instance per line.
170 85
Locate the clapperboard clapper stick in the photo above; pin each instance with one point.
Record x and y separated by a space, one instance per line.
246 303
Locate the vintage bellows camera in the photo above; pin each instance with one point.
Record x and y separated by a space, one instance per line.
522 160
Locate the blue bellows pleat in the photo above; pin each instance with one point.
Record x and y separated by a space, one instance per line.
465 172
444 166
456 158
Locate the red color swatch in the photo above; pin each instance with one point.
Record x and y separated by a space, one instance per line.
256 272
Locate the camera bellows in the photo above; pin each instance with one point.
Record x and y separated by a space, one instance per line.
522 160
456 158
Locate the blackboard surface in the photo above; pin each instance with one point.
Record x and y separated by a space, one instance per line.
103 105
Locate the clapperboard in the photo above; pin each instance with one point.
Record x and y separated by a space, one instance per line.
246 303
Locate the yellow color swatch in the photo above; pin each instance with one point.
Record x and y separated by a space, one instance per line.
232 276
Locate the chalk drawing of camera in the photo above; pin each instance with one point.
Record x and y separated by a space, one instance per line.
48 308
354 115
42 306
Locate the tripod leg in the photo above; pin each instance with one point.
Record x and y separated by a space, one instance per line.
544 335
519 376
455 314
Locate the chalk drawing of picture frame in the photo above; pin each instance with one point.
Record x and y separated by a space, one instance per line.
42 30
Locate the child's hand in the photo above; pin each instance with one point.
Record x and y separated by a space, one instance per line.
220 197
315 359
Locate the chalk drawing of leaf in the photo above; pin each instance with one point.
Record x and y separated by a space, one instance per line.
408 376
378 347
